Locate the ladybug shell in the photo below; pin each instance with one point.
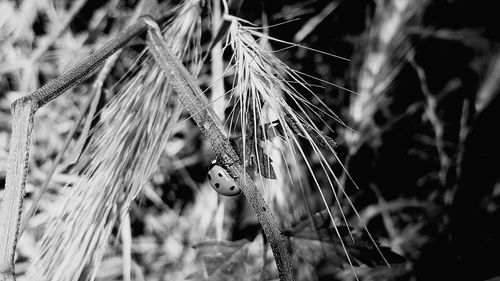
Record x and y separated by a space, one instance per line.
222 182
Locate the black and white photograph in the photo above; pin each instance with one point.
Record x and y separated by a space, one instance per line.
233 140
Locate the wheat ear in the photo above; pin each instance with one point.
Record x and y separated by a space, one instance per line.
23 111
196 104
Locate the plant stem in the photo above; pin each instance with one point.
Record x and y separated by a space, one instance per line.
23 111
11 206
197 105
81 71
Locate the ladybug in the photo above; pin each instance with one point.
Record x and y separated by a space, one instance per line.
221 181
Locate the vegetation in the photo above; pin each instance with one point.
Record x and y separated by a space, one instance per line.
361 134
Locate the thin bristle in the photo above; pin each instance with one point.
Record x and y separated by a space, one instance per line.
120 158
118 162
260 80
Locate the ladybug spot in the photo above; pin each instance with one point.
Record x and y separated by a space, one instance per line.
209 177
179 135
220 175
217 185
232 187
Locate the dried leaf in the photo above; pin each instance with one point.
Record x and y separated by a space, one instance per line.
263 165
275 129
360 247
228 260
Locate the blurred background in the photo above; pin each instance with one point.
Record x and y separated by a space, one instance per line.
418 96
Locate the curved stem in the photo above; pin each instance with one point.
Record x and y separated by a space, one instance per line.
23 111
196 104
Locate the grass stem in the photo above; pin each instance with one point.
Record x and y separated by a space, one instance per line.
12 204
196 104
23 111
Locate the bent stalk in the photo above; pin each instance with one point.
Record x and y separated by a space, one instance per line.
196 104
23 111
